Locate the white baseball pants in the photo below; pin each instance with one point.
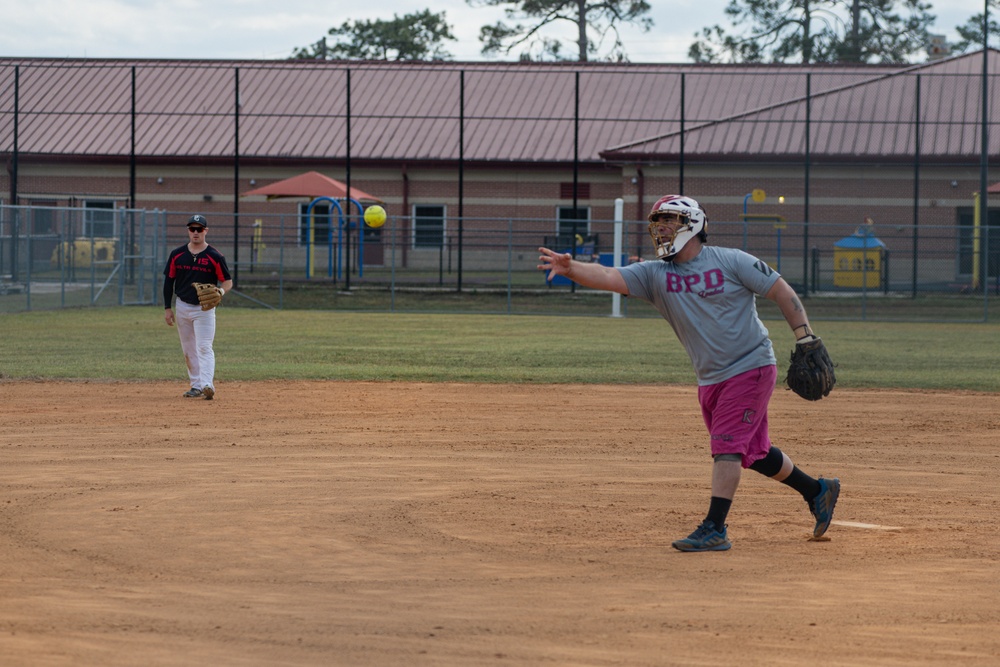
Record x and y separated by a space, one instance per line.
196 328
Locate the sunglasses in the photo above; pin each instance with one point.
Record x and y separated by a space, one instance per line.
197 230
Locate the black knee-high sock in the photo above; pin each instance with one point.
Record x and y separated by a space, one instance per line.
770 466
718 510
803 483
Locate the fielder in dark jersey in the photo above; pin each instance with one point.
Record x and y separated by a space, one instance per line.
708 295
195 262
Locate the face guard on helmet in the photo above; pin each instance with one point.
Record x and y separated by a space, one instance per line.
673 221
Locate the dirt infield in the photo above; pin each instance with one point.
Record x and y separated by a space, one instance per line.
402 524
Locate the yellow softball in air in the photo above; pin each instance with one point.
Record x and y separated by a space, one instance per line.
375 216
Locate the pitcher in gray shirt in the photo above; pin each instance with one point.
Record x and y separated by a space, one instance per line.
708 295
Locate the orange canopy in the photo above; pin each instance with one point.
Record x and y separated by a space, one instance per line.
311 184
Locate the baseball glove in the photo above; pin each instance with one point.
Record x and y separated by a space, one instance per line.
209 295
810 374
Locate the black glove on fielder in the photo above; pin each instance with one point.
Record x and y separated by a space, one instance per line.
810 374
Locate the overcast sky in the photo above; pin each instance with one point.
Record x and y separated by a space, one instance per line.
271 29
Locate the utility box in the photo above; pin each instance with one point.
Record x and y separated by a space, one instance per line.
608 259
586 251
858 260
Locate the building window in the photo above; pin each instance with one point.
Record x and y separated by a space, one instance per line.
572 222
99 219
43 217
428 226
321 230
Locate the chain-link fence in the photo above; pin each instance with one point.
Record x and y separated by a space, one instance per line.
873 178
63 257
903 145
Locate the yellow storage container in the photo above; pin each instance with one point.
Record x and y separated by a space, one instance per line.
78 253
858 260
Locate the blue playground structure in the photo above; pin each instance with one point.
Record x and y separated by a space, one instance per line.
342 224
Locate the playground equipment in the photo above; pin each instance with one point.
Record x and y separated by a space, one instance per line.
342 224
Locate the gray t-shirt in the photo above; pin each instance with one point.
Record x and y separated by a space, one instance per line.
711 303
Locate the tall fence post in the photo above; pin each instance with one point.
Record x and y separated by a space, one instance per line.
461 174
916 183
236 177
805 204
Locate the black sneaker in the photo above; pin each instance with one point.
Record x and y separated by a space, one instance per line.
193 392
208 393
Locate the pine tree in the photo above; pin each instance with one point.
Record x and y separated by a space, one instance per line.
595 22
811 31
416 36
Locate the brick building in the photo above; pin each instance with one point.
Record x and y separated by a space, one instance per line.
479 142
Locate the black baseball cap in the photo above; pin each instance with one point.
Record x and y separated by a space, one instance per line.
197 221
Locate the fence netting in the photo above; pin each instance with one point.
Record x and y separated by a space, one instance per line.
865 187
60 257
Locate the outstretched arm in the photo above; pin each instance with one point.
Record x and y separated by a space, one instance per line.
595 276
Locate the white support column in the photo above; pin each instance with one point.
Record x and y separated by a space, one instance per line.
616 298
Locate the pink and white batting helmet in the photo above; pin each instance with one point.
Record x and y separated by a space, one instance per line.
693 222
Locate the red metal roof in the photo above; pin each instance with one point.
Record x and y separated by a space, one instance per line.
514 112
309 184
871 117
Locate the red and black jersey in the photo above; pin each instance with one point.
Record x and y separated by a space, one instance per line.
184 269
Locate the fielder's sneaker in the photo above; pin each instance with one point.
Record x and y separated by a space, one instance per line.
193 392
208 393
704 538
822 505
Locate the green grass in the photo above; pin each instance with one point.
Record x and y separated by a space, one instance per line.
536 299
133 343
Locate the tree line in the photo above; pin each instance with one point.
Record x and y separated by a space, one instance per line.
759 31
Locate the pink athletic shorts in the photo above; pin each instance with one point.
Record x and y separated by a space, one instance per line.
735 413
